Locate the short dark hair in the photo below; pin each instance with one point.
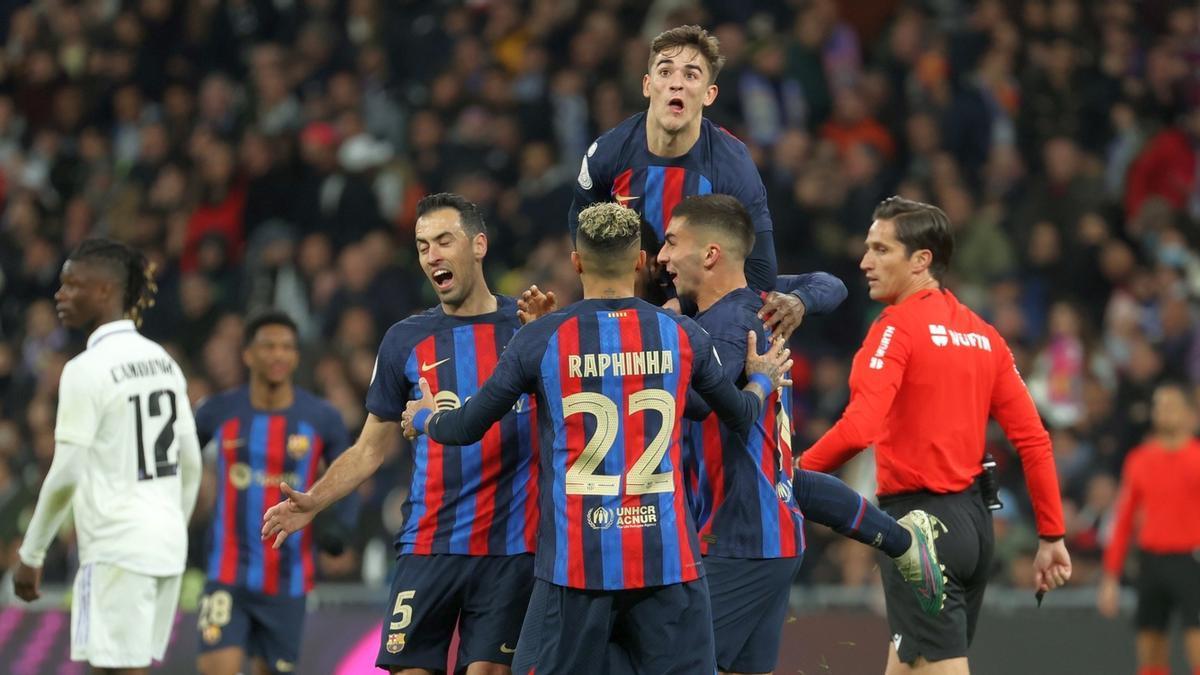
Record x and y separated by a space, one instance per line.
690 36
920 226
468 213
722 214
606 231
267 317
128 266
1181 386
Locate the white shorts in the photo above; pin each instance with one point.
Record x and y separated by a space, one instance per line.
121 619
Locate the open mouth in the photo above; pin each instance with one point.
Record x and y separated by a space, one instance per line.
675 105
442 278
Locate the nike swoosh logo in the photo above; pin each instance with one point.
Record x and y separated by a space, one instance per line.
505 649
621 199
426 367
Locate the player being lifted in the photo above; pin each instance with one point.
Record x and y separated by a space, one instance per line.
749 509
464 551
654 159
267 432
126 463
618 562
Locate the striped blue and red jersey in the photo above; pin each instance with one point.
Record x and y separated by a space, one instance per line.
740 482
256 450
481 498
620 167
611 377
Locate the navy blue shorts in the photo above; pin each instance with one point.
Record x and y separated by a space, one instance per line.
485 596
265 626
749 606
663 629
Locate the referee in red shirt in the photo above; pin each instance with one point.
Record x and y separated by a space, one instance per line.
1160 488
928 376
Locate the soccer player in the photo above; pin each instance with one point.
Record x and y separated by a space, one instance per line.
465 549
266 433
929 374
618 560
1160 489
750 512
126 462
654 159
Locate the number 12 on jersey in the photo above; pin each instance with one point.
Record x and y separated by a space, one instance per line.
166 451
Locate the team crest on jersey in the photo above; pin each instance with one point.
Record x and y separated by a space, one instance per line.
212 634
783 489
600 518
297 445
395 643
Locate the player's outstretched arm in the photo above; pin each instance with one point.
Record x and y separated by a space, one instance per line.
53 505
346 473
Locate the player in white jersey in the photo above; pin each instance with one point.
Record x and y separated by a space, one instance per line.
126 460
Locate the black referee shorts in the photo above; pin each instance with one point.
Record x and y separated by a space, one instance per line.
964 538
1168 582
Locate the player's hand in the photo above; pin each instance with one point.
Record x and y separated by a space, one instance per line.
1108 597
534 304
414 406
673 305
27 582
290 515
782 314
1051 565
776 363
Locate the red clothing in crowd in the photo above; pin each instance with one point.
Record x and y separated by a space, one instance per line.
922 387
1166 168
1160 489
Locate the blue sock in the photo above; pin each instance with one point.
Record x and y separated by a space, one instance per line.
826 500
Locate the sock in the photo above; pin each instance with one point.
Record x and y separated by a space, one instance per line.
826 500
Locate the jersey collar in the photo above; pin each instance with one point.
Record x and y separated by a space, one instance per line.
104 330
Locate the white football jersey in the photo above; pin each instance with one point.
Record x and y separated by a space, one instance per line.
125 400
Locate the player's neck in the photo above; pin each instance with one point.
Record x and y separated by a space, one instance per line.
267 396
663 143
923 284
1173 441
605 288
719 284
479 301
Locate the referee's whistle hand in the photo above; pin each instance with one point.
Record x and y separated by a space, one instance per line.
1052 565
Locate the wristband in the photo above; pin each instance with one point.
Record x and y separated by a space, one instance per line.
420 418
763 382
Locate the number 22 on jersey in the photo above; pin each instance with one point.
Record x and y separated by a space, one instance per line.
642 479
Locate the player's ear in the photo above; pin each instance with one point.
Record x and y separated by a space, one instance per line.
641 261
712 255
646 85
576 262
479 244
921 259
710 94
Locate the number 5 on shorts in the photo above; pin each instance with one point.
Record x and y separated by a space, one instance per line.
402 610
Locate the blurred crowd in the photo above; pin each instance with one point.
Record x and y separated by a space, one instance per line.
271 152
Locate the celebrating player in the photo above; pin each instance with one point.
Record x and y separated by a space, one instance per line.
618 560
922 386
126 462
1160 489
266 433
751 531
471 512
654 159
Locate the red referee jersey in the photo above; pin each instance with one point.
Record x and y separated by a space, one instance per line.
1160 489
922 387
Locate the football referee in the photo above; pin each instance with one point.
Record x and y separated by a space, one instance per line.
929 374
1160 495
